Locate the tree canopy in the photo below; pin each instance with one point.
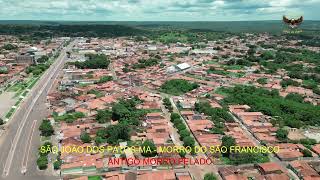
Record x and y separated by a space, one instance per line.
228 141
289 112
94 61
210 176
178 86
85 137
46 128
103 116
149 145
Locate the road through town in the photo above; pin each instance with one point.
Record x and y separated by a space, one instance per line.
22 137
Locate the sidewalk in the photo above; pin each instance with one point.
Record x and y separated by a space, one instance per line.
7 100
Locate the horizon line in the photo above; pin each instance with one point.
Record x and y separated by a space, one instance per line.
146 20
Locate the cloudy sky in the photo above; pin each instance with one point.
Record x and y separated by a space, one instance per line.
157 10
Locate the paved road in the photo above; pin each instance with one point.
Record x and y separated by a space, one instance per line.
22 137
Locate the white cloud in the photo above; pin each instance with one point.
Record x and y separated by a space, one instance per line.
155 9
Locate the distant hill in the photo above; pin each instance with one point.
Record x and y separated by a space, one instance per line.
225 26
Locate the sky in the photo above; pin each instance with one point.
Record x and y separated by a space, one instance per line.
158 10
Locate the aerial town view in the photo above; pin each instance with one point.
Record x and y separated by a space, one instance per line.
160 90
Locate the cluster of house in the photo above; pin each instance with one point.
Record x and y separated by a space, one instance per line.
80 92
16 55
260 127
272 171
143 175
268 171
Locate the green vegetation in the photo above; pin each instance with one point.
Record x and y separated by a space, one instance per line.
9 47
306 153
262 81
11 111
1 121
282 134
184 133
94 178
128 116
177 86
308 143
103 116
289 82
46 128
104 79
57 164
125 111
42 161
310 84
37 69
94 61
210 176
188 141
4 71
96 92
246 158
117 133
149 145
227 141
240 158
284 58
167 104
143 63
295 97
69 117
43 59
85 137
216 114
213 70
238 63
288 112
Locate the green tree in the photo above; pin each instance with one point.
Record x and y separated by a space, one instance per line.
99 140
57 164
262 81
306 153
85 137
188 141
103 116
149 145
43 59
210 176
46 128
4 70
174 116
177 86
94 61
119 132
267 55
295 97
184 133
104 79
282 134
176 122
228 141
181 127
42 162
182 153
1 121
9 47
